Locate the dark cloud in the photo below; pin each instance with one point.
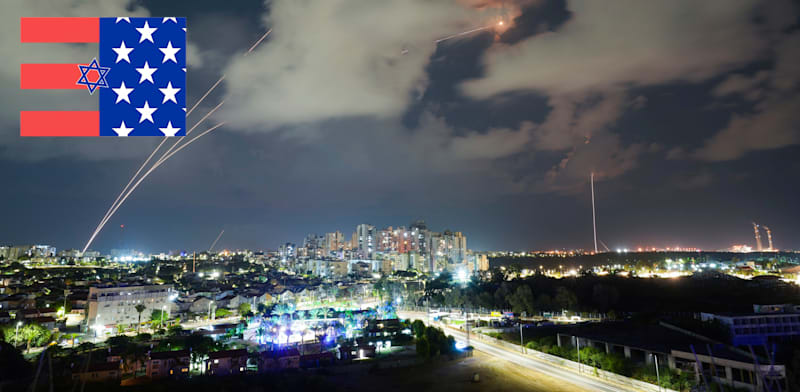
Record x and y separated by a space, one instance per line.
350 112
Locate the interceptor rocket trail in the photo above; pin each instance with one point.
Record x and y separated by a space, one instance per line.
131 186
463 33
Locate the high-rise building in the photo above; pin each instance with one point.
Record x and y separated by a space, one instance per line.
334 243
314 245
420 242
287 251
456 247
446 250
365 235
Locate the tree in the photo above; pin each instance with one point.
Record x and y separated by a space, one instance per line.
139 308
498 275
244 308
543 302
200 346
604 296
119 342
419 328
34 333
175 330
565 298
158 315
265 309
144 337
522 300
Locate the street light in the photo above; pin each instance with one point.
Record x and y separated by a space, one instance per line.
658 377
16 333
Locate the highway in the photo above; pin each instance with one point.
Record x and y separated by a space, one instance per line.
582 381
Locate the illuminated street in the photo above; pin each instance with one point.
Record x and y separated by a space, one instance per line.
539 367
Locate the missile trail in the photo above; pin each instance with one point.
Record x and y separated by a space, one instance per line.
205 95
255 45
189 131
105 217
216 240
463 33
168 153
158 163
147 173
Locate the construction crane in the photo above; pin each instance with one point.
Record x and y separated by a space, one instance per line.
758 237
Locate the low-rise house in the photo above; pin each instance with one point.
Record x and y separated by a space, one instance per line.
279 360
18 301
201 305
46 322
317 360
286 296
224 302
223 363
168 364
99 372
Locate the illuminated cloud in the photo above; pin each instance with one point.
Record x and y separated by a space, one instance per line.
340 58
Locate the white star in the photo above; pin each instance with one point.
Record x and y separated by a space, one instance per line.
125 18
169 53
184 29
147 73
170 19
123 53
123 93
169 93
122 131
169 130
146 32
146 113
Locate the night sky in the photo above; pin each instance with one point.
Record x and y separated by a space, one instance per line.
687 112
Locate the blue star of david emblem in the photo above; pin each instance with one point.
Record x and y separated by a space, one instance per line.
101 80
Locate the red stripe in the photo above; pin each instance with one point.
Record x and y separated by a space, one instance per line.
59 123
60 30
52 76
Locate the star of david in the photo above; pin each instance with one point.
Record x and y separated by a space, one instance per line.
101 80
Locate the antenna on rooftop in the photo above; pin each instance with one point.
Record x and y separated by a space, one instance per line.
594 216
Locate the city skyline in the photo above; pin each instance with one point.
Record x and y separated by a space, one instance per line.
493 133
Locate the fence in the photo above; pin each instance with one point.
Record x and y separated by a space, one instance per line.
486 311
572 365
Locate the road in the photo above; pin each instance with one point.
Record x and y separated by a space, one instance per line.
583 381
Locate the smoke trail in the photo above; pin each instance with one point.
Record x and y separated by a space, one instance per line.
168 153
158 163
105 217
463 33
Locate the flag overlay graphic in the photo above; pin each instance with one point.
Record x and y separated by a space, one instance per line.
139 76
